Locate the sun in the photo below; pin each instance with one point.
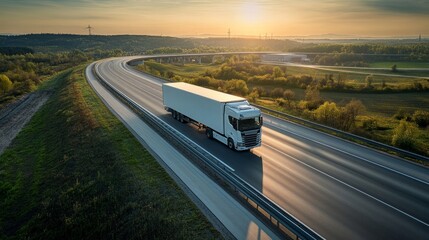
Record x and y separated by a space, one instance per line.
251 12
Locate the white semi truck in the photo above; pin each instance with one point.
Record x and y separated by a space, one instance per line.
226 118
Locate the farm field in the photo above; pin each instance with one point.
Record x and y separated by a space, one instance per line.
399 64
360 74
385 99
379 104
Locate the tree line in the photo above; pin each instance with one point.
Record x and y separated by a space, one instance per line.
368 48
139 44
22 73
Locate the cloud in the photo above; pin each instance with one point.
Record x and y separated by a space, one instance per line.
400 6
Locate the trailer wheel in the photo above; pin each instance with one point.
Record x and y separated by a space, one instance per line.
173 114
181 118
231 144
209 133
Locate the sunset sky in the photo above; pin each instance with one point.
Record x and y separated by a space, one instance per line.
374 18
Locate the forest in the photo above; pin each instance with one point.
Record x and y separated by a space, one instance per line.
140 44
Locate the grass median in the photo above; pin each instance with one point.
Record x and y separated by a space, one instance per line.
75 172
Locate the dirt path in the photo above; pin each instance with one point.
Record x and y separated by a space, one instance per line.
14 116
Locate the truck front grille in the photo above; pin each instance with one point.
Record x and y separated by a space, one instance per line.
251 138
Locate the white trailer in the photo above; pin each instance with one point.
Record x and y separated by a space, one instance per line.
227 118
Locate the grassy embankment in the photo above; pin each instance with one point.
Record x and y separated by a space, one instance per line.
75 172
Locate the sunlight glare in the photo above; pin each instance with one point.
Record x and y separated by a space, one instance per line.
251 12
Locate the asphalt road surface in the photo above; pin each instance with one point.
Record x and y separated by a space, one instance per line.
339 189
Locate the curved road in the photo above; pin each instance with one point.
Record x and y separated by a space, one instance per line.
339 189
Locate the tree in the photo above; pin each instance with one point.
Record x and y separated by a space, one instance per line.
312 93
350 112
289 95
341 80
277 72
328 113
236 87
368 81
403 135
5 83
312 96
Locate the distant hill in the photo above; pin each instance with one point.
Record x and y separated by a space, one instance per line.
135 44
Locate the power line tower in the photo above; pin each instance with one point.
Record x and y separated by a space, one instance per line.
229 37
89 29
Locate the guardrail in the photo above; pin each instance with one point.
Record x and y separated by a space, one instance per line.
371 142
277 216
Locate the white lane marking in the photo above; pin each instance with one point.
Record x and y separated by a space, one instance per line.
347 153
348 185
133 85
126 68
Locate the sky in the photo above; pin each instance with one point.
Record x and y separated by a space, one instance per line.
364 18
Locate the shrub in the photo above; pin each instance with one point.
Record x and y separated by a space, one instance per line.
402 114
253 96
403 135
421 118
328 113
280 102
5 84
235 86
289 95
369 124
202 81
277 92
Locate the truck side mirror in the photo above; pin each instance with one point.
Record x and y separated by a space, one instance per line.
261 120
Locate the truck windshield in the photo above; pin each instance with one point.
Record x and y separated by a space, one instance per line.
249 124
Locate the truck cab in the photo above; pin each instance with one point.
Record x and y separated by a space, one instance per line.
243 126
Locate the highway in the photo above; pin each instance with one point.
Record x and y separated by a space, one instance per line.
339 189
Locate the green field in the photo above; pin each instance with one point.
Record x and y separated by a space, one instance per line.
380 104
359 78
75 172
400 65
384 104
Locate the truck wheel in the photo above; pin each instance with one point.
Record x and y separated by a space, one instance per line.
209 133
231 144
